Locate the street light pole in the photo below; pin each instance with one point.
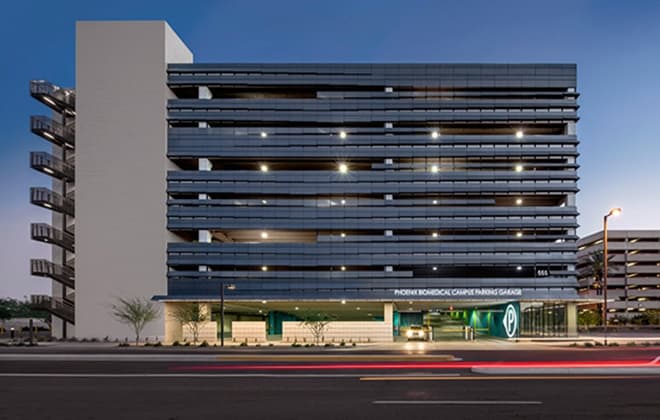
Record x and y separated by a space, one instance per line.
222 310
612 212
222 314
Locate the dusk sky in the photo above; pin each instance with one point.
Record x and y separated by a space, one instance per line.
615 44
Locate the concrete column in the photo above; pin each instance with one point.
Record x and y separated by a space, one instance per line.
571 318
173 328
388 318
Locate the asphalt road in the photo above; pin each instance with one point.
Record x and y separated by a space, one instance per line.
328 397
227 386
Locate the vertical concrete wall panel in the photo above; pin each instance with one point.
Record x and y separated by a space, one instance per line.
121 168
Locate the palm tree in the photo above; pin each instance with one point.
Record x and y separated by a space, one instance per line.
597 263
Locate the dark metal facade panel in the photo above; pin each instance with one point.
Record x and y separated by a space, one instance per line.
305 119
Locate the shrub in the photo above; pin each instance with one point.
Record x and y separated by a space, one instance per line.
615 344
646 344
176 343
270 344
588 344
187 344
343 343
204 344
573 345
631 344
598 344
354 344
328 345
243 344
158 344
295 344
124 344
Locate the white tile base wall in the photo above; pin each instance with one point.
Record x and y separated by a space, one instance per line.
338 331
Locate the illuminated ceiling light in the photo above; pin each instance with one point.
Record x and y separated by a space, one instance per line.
343 268
435 268
518 234
47 134
264 235
264 134
264 201
264 268
435 201
357 309
519 201
343 235
260 311
518 168
48 170
296 308
519 134
343 301
264 168
47 99
48 205
264 302
410 302
519 268
434 234
343 168
342 134
435 135
343 201
434 168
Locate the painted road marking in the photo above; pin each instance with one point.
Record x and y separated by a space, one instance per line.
496 378
456 402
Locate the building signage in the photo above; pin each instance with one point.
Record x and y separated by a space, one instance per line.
460 292
510 321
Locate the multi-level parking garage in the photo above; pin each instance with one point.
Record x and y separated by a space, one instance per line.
380 195
633 274
418 184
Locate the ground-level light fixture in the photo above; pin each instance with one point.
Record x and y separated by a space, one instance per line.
264 235
519 134
264 168
343 168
